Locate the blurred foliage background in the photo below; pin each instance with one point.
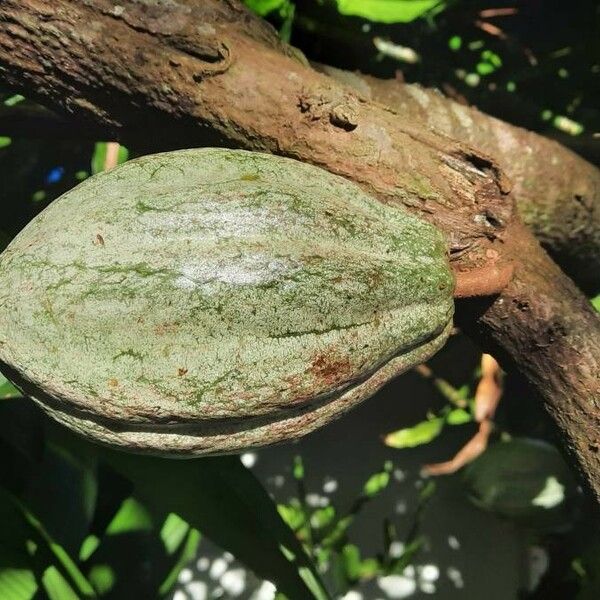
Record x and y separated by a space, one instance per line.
79 522
533 63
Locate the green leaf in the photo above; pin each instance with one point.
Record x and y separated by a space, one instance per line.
17 584
407 557
387 11
56 585
22 529
70 479
377 482
14 100
5 141
427 492
285 9
132 516
99 156
339 531
292 514
287 12
187 554
7 389
298 470
17 580
421 433
369 568
485 68
525 480
492 58
60 555
265 7
458 416
354 567
322 517
567 125
351 561
596 302
455 43
223 500
88 547
17 577
103 578
173 532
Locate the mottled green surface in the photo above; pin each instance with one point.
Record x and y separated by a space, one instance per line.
209 300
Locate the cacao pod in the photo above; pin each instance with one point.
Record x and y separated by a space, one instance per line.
207 301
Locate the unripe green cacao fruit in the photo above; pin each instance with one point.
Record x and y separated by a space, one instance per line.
207 301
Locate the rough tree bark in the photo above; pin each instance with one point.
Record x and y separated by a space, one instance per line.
557 192
209 68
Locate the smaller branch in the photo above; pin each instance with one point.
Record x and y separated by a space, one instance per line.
443 387
491 29
468 453
489 388
112 156
487 396
496 31
488 280
542 326
490 13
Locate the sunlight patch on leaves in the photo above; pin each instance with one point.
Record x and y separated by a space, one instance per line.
56 585
132 516
103 578
189 551
16 581
173 532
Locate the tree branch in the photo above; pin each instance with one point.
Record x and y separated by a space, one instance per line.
211 68
542 326
557 192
